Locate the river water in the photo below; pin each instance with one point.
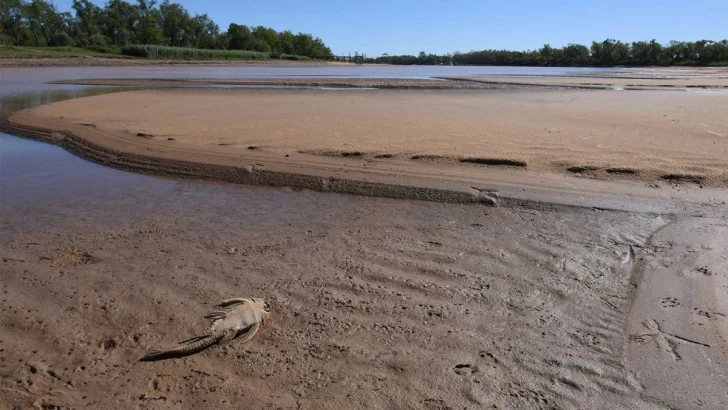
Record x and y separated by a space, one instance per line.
33 173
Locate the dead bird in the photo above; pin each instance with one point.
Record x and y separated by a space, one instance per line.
236 318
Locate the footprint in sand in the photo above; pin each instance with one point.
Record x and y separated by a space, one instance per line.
669 302
465 369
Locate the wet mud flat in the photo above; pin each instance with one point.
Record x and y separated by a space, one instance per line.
377 302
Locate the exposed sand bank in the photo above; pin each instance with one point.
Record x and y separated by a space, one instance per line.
625 81
647 136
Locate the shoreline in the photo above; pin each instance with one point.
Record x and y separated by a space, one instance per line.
121 61
323 82
648 137
429 182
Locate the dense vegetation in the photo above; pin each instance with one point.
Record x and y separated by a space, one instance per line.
607 53
120 24
167 30
188 53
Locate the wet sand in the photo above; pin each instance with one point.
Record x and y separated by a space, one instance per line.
378 83
378 302
636 79
640 136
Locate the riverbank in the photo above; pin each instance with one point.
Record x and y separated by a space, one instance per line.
650 137
101 60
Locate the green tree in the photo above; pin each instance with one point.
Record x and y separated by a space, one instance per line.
577 54
149 22
12 19
202 32
239 38
120 19
287 42
88 15
175 19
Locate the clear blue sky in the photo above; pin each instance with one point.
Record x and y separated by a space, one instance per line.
409 26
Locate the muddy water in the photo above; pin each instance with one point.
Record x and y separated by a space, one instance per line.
377 303
21 78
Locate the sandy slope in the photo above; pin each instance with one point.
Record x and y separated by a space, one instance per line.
638 135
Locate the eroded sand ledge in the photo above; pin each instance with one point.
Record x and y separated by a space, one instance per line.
403 144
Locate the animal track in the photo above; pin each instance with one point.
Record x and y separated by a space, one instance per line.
665 341
705 271
710 315
669 302
465 369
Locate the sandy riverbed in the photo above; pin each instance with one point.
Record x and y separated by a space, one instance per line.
715 78
377 302
635 135
607 82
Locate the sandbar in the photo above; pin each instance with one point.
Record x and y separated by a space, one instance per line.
630 135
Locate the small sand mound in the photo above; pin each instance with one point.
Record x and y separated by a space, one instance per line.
622 171
426 157
695 179
495 162
581 169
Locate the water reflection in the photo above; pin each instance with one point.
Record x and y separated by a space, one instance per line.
10 103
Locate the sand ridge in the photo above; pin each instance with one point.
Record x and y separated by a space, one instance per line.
418 179
649 136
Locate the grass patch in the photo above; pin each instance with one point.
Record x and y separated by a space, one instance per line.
293 57
50 52
186 53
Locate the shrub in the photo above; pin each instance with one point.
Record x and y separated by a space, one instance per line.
294 57
62 39
104 49
185 53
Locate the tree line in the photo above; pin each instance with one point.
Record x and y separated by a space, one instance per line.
609 52
119 23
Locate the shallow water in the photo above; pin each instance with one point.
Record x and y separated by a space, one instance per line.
27 79
31 171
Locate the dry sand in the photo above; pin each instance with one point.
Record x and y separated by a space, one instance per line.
624 135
